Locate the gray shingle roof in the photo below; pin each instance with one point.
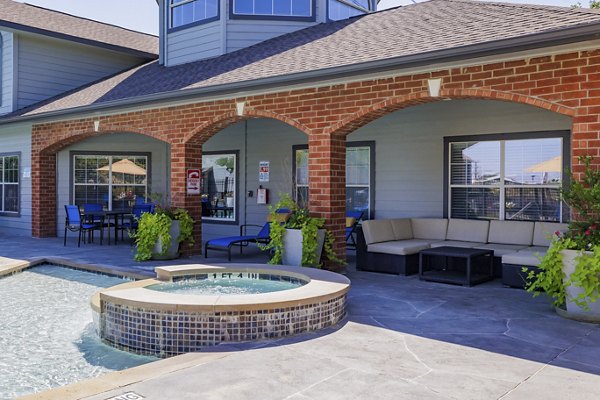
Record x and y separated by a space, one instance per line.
19 15
411 30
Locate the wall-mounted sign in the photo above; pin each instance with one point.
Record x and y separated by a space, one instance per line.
193 181
263 171
26 172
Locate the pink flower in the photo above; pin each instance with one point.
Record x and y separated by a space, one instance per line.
557 233
588 232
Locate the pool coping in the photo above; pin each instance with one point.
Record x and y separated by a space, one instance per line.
322 286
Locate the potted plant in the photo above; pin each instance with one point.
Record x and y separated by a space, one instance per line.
159 234
300 239
570 271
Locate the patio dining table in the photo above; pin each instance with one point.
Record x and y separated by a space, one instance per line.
117 217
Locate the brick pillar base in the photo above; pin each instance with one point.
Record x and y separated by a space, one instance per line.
43 195
184 156
327 190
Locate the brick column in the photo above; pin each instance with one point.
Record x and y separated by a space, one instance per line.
585 137
184 156
43 195
327 184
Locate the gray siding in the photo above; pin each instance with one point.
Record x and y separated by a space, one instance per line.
121 143
267 140
49 67
17 138
243 33
194 43
409 148
6 72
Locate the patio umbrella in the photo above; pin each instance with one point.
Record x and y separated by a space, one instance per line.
551 165
125 166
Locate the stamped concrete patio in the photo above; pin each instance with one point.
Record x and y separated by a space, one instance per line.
403 339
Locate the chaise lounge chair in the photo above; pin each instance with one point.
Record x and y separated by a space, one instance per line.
226 243
352 220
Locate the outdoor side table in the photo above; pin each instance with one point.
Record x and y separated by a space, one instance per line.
477 260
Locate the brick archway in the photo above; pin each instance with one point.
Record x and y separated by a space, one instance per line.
373 112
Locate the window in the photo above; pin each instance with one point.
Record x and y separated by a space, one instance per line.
219 186
185 12
359 191
344 9
506 179
273 8
115 181
9 184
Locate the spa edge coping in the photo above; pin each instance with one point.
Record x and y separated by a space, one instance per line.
322 286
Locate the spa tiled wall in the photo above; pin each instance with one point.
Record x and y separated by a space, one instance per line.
168 333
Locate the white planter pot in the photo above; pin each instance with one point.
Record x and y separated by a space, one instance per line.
173 250
292 246
573 311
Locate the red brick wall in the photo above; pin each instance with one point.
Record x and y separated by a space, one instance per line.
566 83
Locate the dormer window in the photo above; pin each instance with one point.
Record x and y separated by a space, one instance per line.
344 9
273 9
186 12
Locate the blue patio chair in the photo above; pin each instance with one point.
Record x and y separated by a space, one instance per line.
352 220
226 243
74 223
136 214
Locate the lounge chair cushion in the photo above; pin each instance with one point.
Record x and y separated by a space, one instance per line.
543 231
399 247
457 243
511 232
429 228
378 230
228 241
468 230
524 258
502 249
402 229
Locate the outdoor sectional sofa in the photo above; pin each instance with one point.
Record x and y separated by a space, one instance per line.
393 245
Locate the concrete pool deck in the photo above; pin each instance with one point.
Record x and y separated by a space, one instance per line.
403 339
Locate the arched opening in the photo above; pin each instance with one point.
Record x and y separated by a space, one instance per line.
421 168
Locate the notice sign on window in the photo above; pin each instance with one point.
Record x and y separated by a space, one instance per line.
263 171
193 181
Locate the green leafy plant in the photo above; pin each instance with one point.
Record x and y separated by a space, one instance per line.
152 226
299 218
583 197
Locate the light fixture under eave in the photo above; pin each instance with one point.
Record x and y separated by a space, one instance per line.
434 86
96 125
240 108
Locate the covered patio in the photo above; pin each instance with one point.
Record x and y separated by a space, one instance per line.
403 338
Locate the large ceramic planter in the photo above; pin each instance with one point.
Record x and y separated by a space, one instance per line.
292 246
173 250
573 311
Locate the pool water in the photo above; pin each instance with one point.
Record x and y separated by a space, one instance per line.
225 286
47 338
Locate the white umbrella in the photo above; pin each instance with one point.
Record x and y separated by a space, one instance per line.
551 165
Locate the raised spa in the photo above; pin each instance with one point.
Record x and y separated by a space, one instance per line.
190 307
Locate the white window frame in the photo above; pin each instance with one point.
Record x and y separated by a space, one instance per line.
4 184
172 6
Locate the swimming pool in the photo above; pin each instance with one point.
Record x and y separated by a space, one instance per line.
47 337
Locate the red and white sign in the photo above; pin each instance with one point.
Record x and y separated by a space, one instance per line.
193 181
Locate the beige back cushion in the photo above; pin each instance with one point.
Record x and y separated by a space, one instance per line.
544 230
402 229
378 230
468 230
429 228
511 232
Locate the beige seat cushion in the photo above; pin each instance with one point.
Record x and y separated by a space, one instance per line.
402 228
502 249
542 234
468 230
511 232
457 243
524 258
378 230
429 228
398 247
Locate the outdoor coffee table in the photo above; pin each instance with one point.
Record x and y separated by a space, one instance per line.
476 260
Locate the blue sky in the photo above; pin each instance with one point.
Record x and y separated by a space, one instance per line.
142 15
